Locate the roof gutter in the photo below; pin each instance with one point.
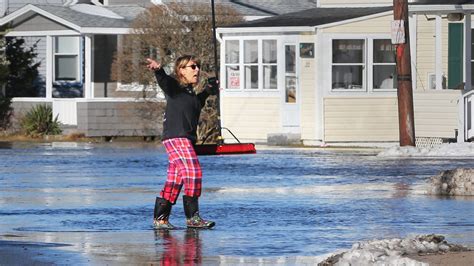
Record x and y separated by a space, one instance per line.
440 8
266 29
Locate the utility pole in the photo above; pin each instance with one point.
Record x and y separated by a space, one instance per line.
406 118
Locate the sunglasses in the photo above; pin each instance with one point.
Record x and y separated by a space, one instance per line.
193 66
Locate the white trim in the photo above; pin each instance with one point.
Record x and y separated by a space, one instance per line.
30 7
49 67
250 18
42 33
108 99
250 94
352 5
259 39
83 100
76 53
362 96
318 87
88 89
94 30
294 109
326 59
266 29
31 99
70 32
76 29
440 8
438 54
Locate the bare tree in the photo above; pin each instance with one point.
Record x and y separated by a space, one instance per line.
164 32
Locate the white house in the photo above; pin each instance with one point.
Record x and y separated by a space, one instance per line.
327 74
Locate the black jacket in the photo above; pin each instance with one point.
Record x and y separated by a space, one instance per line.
183 107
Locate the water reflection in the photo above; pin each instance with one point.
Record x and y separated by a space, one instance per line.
176 252
274 207
400 190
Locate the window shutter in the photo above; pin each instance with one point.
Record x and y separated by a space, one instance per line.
455 55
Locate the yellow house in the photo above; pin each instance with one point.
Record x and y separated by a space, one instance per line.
327 74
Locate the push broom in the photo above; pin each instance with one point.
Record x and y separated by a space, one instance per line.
221 148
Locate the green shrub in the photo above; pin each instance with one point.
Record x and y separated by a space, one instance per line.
39 122
5 112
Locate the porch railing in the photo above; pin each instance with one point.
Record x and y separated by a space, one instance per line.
466 131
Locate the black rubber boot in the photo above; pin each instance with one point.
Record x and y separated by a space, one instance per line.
191 210
161 214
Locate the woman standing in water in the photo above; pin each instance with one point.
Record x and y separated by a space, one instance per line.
183 108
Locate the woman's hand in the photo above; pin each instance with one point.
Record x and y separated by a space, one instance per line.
152 64
212 86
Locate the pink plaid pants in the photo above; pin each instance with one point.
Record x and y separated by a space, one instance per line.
183 169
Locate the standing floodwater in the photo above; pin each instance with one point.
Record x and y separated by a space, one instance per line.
279 204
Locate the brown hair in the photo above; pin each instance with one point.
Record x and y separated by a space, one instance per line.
181 62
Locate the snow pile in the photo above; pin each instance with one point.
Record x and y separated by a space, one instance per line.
391 251
444 150
457 182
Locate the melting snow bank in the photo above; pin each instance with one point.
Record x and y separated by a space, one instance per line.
444 150
457 182
392 251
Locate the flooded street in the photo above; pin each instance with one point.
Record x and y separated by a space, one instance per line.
93 203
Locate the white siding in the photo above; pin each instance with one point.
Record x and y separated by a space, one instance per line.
363 119
377 25
436 113
372 119
308 94
250 118
425 61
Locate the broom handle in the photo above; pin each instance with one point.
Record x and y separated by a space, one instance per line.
214 35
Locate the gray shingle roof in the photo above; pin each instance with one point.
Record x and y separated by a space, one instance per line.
314 17
257 7
88 20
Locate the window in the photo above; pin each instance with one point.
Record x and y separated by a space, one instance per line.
384 66
251 65
232 69
269 58
363 65
290 74
348 64
66 58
